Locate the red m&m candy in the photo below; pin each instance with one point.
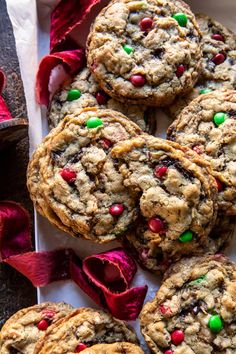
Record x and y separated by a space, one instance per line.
218 59
180 70
169 352
218 37
80 347
219 185
43 325
146 24
102 97
138 80
177 337
116 209
160 171
48 313
68 175
156 225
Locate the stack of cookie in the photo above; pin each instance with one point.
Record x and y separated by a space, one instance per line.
99 175
57 328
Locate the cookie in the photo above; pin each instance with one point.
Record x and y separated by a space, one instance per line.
145 52
84 328
115 348
194 310
177 198
84 92
148 256
73 181
216 40
21 332
208 126
219 51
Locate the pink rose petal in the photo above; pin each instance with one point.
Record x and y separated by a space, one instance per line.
2 81
72 62
5 114
68 15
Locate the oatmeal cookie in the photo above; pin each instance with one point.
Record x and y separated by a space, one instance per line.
216 40
194 310
145 51
208 126
84 92
84 328
21 332
73 181
177 198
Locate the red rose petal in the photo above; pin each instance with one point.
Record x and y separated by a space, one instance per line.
71 62
105 277
5 114
68 16
14 230
2 81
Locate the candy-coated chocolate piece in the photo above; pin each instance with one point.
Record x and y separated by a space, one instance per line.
94 122
219 118
128 49
177 337
186 236
48 313
102 97
73 95
169 352
218 59
198 280
206 90
80 347
180 71
146 24
219 185
43 325
116 209
68 175
215 323
181 18
156 225
138 80
160 171
106 143
218 37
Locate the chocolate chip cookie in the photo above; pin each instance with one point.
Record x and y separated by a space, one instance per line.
82 329
218 42
177 199
21 332
145 52
84 92
219 51
115 348
208 126
194 310
73 181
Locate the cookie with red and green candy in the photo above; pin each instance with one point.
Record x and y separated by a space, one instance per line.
145 52
84 92
177 198
75 183
83 329
22 330
194 309
208 126
219 62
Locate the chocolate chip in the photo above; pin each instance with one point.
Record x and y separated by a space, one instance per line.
158 53
232 113
196 309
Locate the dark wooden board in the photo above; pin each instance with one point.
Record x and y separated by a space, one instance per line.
16 292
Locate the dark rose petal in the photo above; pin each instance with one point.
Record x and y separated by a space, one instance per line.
127 305
5 114
115 269
45 267
68 15
70 61
2 81
14 230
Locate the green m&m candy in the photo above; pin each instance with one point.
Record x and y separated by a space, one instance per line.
94 122
181 18
198 280
215 323
128 49
203 91
219 118
186 236
73 95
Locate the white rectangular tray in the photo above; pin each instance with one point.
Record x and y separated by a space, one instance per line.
32 43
